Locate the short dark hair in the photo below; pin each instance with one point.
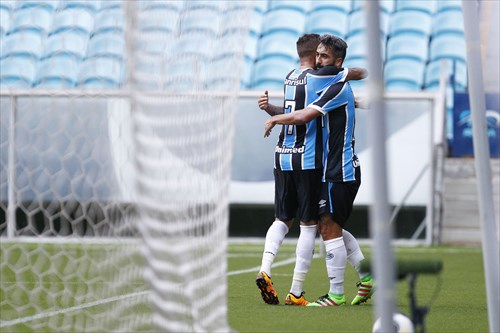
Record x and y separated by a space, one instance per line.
307 45
336 44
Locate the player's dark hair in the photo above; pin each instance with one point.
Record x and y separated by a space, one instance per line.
307 45
336 44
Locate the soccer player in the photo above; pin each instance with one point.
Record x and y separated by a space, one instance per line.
341 170
298 171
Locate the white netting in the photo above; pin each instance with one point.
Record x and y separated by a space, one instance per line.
114 206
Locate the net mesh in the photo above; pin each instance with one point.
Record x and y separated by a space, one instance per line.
115 204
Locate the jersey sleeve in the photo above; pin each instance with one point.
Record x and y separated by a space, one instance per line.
330 98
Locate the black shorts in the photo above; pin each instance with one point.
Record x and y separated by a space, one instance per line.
296 193
337 198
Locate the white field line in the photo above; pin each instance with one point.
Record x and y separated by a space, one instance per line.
42 315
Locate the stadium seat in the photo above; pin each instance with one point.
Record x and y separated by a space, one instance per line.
194 45
412 21
49 5
278 44
330 21
427 6
270 73
160 19
448 46
31 18
109 20
205 5
68 43
109 4
457 71
90 6
261 6
160 4
200 21
58 72
404 74
186 73
23 43
449 5
255 22
357 48
301 6
449 21
155 42
339 5
107 45
76 19
4 21
357 23
284 20
17 72
408 45
148 72
246 73
101 73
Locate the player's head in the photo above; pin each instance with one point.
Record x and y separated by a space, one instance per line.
331 51
307 45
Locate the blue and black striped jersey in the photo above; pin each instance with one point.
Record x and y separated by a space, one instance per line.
336 103
300 147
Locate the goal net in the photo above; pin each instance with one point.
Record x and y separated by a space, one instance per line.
114 203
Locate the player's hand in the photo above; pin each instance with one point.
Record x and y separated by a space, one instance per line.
264 101
268 126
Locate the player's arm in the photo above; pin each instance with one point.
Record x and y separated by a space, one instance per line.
271 109
356 73
298 117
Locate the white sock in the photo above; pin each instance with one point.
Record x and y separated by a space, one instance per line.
274 237
354 254
336 259
304 255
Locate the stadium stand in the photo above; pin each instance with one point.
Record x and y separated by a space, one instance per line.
101 72
456 69
269 73
17 72
58 72
404 74
84 30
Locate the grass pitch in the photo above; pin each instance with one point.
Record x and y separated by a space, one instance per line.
456 297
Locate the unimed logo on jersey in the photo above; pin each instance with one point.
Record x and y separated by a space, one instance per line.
286 150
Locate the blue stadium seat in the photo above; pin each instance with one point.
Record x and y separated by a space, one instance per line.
449 5
246 73
4 21
185 73
205 4
200 20
76 19
160 4
284 20
101 73
357 48
330 21
278 44
17 72
67 43
404 74
457 69
23 43
155 42
194 45
270 73
160 19
31 18
339 5
408 45
448 46
49 5
261 6
148 72
107 45
91 6
108 4
231 44
255 21
385 5
449 21
301 6
410 21
357 23
109 20
58 72
427 6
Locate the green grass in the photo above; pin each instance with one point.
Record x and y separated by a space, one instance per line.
456 297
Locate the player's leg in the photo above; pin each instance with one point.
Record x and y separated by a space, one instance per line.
285 207
354 257
308 185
